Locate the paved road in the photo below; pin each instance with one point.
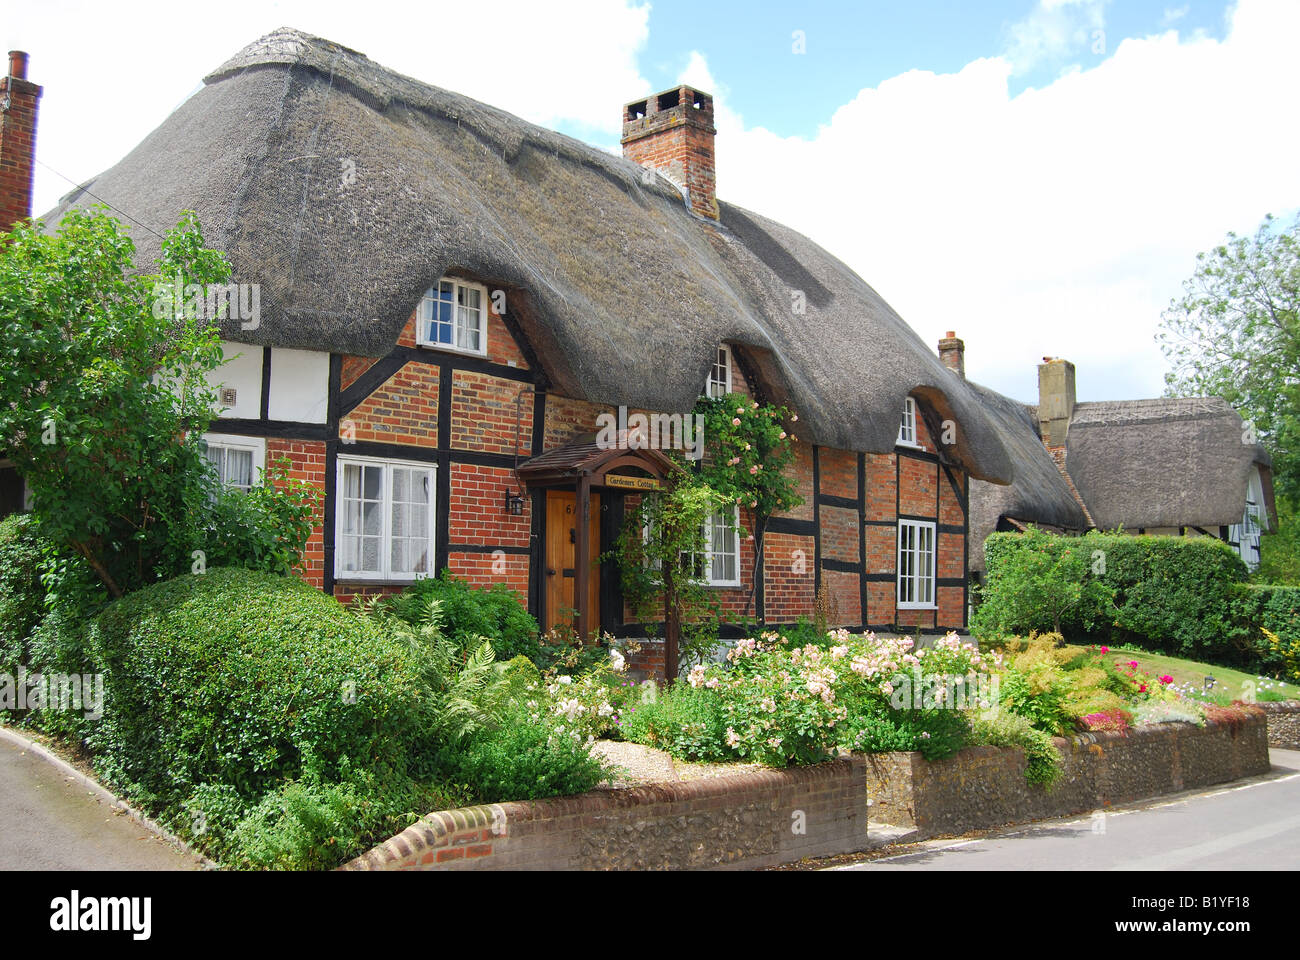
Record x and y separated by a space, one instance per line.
1254 825
51 821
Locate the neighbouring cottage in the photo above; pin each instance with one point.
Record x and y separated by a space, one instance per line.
1183 466
448 298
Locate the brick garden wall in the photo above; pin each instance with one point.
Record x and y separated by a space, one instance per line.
753 819
983 787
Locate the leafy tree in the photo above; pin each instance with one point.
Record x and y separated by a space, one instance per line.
1235 334
104 400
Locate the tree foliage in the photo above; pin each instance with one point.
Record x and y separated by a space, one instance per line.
1235 334
104 398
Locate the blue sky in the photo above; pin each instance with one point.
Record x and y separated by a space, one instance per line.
1037 175
851 45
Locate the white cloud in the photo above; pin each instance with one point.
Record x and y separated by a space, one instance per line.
1057 222
108 84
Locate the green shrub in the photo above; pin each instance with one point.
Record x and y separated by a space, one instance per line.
876 727
1039 582
470 613
686 721
1273 644
1002 728
524 758
1168 594
233 676
22 597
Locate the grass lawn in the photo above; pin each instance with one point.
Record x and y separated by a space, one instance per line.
1228 682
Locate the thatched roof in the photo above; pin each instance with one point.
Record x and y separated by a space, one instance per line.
623 292
1167 462
1039 494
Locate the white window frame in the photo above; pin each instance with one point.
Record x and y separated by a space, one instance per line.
431 296
907 427
230 441
722 357
385 575
709 552
909 570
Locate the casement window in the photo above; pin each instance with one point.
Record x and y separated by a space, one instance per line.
453 316
718 565
916 565
907 429
719 382
236 460
384 523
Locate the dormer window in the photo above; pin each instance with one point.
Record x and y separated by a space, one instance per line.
907 429
719 381
453 316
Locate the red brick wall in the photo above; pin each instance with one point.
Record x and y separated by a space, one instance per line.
354 367
403 410
306 463
789 586
801 469
918 486
490 414
840 540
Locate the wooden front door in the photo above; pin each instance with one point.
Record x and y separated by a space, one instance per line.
561 552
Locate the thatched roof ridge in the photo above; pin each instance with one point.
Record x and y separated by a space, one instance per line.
1163 462
623 293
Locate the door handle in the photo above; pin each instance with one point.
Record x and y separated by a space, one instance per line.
550 571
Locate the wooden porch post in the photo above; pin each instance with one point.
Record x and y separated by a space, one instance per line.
582 573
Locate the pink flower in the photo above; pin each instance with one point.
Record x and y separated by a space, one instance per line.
794 417
1166 679
735 421
1132 663
740 410
782 435
753 469
1105 649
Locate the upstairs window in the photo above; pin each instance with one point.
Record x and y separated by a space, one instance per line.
236 460
907 429
719 382
453 316
915 565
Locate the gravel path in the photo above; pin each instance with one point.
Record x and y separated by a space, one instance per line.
639 764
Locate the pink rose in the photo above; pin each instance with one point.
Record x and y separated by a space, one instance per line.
735 421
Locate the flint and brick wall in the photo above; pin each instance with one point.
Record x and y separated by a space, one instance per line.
983 787
761 818
1283 724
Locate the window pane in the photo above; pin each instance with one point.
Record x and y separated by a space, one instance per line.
239 469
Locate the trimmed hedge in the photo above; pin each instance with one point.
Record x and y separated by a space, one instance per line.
1275 609
240 678
1177 595
22 598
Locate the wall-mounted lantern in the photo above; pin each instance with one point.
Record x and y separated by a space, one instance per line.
514 503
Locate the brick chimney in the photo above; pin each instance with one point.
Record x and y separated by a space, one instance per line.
1055 400
953 354
18 100
673 132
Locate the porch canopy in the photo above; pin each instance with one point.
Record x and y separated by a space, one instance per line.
588 462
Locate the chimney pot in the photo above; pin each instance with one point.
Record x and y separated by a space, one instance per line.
672 132
19 99
952 353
